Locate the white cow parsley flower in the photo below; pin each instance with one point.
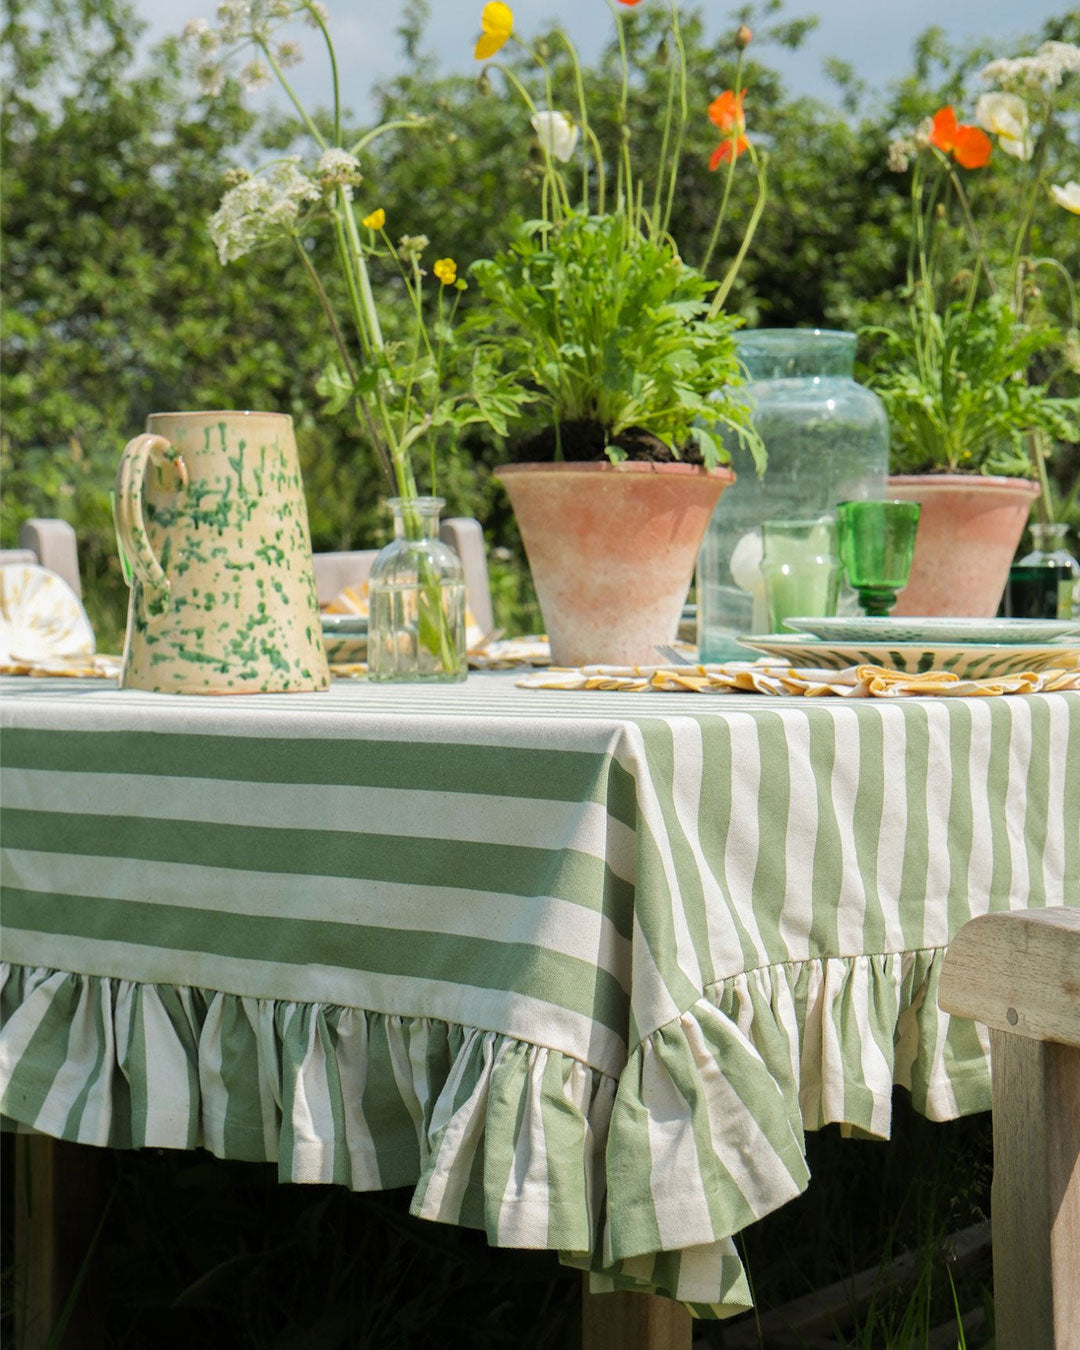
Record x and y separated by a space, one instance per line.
1043 71
337 168
234 16
259 209
210 77
254 76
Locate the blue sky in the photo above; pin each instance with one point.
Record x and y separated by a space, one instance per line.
875 36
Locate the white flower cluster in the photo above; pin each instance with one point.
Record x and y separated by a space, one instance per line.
240 22
337 168
260 209
255 75
1044 71
901 152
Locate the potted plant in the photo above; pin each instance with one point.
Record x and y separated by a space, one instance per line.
966 380
625 350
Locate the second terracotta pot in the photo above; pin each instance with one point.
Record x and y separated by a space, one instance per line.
969 529
612 549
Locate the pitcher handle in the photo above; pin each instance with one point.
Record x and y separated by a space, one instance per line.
130 520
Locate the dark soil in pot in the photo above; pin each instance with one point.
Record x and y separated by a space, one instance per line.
585 441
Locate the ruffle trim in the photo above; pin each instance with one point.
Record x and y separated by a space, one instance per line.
641 1181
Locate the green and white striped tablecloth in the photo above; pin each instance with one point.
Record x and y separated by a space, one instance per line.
581 967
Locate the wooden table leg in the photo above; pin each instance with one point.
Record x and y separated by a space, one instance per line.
625 1321
58 1208
1036 1193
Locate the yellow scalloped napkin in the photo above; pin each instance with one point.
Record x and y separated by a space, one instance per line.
98 666
775 678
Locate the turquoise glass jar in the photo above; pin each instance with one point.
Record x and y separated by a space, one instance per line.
828 441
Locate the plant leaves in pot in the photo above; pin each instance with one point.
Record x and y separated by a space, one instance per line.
627 355
975 377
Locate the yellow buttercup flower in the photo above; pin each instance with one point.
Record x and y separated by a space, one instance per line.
497 21
446 270
376 220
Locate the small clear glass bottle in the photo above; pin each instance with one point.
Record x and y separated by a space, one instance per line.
416 620
1045 583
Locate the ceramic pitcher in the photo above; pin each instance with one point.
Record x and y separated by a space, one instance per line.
211 517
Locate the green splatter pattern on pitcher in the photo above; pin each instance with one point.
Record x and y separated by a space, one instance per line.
240 613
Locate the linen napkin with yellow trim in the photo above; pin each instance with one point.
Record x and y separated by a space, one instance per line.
775 678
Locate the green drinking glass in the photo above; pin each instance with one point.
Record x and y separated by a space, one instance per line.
877 543
801 569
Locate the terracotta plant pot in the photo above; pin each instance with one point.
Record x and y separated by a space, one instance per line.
612 549
969 530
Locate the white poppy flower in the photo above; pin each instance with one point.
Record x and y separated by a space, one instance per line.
556 133
1006 116
1067 196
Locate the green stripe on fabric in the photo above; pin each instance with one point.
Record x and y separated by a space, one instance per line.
961 820
515 869
915 873
517 968
1037 802
477 1208
45 1054
506 1115
664 770
102 1081
868 814
242 1130
134 1066
566 1144
1002 729
773 807
561 775
385 1115
827 876
173 1003
717 812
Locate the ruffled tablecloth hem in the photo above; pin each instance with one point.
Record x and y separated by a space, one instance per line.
642 1181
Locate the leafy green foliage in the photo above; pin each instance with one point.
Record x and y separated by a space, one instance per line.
611 327
956 390
115 305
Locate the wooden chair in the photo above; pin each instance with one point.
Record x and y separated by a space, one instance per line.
336 571
1019 973
48 543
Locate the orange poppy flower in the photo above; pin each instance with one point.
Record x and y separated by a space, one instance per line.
726 113
969 146
629 2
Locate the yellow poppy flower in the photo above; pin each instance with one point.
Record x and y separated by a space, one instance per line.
446 270
376 220
497 21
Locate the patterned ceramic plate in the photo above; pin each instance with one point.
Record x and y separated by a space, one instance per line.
336 624
344 637
969 660
960 631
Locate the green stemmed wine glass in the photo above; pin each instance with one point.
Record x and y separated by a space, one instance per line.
877 543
